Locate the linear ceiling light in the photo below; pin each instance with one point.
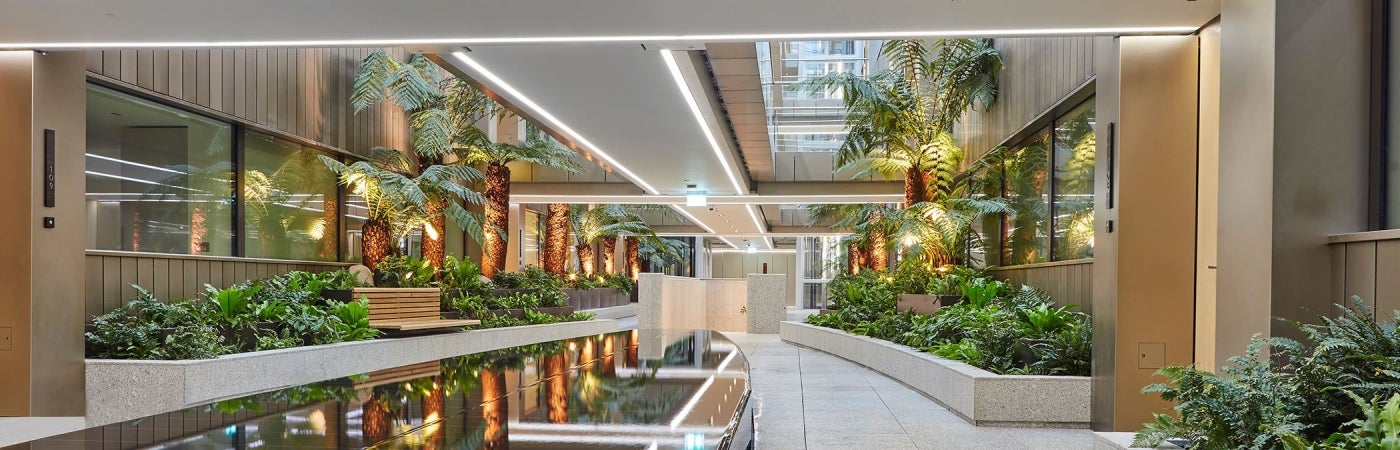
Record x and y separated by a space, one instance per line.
696 221
709 199
1110 31
700 119
759 224
558 124
754 250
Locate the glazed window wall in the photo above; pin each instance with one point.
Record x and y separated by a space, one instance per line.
158 179
165 180
1048 181
289 201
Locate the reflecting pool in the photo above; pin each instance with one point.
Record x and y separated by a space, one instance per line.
625 390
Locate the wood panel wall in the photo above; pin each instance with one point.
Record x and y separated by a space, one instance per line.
1366 269
110 275
303 92
1068 283
1036 74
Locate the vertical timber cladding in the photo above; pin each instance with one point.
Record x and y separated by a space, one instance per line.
302 92
1151 262
41 314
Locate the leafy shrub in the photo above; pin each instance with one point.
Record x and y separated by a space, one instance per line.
518 300
1245 408
465 275
1378 428
232 304
621 282
404 271
146 328
353 320
988 330
911 277
1302 392
468 303
548 287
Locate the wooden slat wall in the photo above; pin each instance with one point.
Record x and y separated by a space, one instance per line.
303 92
1036 73
109 278
1069 283
1367 269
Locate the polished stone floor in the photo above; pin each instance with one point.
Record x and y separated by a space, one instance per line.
809 399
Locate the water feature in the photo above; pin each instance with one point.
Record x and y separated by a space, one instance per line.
625 390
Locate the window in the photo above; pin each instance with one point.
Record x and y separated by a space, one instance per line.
158 179
162 180
1053 216
289 200
1074 184
1026 233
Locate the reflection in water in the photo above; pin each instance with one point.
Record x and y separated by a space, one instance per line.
527 397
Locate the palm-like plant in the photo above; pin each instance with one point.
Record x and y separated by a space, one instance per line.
870 224
401 200
538 149
284 219
940 232
438 109
603 224
898 119
654 251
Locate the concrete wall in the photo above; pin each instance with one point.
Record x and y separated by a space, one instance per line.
1321 136
740 265
721 304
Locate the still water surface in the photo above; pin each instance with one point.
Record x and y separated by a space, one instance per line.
626 390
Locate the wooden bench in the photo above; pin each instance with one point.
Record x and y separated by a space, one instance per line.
407 309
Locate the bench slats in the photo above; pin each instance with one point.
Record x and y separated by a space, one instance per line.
395 309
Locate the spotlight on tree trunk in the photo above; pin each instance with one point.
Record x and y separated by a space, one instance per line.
556 238
497 230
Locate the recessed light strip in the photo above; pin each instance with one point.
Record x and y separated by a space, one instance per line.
711 200
558 124
700 119
600 39
758 224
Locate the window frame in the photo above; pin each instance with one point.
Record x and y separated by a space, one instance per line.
1047 120
238 128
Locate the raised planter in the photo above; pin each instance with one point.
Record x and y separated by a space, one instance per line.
514 312
980 397
596 298
120 390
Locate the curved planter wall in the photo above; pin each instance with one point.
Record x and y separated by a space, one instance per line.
979 396
120 390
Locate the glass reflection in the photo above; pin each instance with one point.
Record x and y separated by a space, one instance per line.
635 390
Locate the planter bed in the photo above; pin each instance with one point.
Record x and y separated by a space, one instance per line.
596 298
120 390
978 396
514 312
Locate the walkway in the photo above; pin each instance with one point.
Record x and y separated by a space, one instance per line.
809 399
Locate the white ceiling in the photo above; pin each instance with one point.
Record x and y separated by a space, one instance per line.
594 67
402 22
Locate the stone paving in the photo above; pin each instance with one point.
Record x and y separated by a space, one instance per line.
809 399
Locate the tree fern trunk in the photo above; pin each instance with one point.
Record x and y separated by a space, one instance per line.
609 250
435 249
556 371
915 186
634 257
495 409
497 230
330 217
556 238
376 242
876 255
855 259
585 259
